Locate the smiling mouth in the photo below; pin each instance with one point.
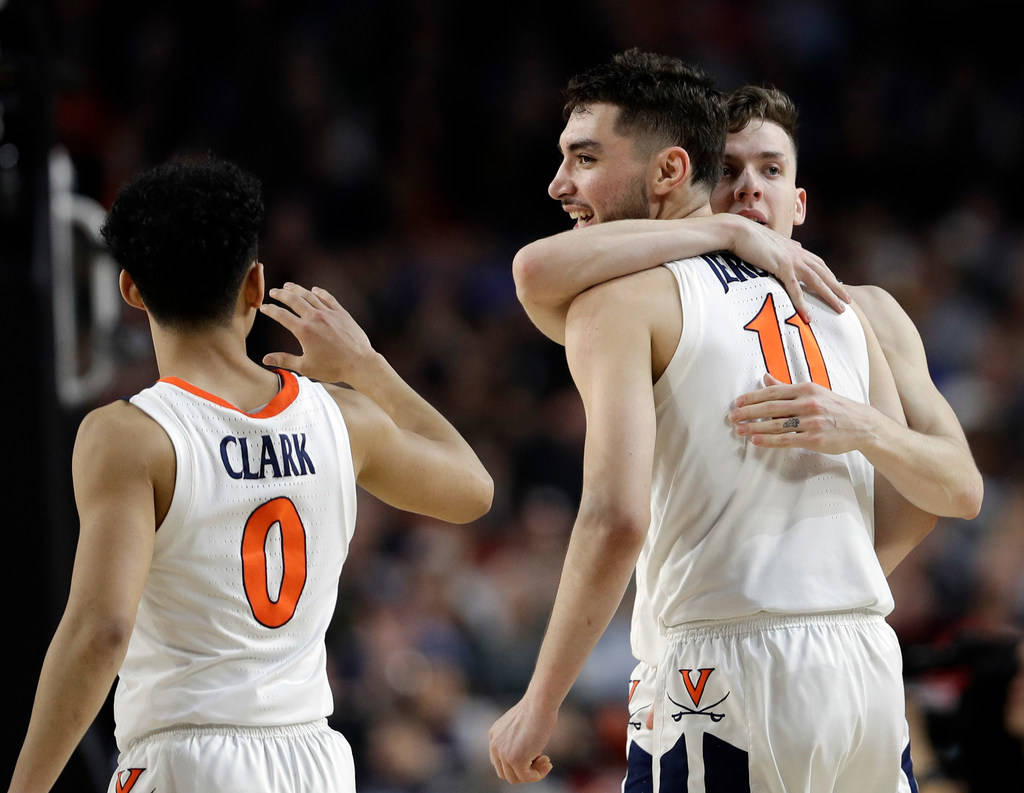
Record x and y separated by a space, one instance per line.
581 216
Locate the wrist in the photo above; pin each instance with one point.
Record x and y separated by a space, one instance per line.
874 436
539 698
732 230
367 371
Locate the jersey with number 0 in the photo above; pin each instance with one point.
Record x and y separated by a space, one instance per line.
737 530
244 578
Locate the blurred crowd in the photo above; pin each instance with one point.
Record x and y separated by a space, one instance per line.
405 149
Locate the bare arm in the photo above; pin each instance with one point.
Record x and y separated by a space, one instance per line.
404 451
899 525
931 463
115 494
928 462
608 349
550 272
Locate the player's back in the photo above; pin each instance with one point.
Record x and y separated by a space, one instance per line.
230 628
736 529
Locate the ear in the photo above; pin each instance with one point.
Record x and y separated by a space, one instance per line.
671 168
129 291
801 207
253 286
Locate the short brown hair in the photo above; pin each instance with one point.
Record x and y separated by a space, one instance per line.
762 103
662 101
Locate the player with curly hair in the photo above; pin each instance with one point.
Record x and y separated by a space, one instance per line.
216 508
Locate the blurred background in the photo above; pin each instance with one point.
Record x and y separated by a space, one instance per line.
405 149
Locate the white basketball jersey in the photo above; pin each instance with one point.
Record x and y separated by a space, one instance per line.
736 529
244 578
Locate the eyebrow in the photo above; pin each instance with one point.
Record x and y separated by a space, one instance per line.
576 145
765 155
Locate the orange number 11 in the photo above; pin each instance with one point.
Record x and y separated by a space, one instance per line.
766 325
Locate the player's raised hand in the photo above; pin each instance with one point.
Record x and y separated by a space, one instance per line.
334 347
517 740
805 416
788 261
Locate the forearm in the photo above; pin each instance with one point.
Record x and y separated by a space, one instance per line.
79 668
379 381
598 566
899 525
934 473
551 272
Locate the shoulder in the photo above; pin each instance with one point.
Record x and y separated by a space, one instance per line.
364 419
119 438
892 325
121 421
623 296
355 407
878 305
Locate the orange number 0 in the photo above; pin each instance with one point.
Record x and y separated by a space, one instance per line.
274 613
766 325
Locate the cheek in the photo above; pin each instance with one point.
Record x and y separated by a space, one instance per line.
781 205
721 197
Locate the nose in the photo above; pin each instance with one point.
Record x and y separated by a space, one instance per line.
747 186
561 185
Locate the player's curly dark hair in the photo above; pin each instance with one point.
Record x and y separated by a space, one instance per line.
663 102
186 231
762 103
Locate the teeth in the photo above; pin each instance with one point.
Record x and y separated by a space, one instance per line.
580 214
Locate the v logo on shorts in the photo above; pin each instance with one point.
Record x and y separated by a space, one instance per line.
126 783
696 690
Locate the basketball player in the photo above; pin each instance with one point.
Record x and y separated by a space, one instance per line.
928 461
765 660
217 506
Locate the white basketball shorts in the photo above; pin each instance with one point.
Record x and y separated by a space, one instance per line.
792 704
297 758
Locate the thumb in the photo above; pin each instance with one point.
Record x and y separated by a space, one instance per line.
539 768
769 380
283 360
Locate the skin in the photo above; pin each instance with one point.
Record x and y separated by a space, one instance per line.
620 336
123 491
930 463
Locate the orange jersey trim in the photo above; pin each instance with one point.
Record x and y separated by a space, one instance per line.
289 391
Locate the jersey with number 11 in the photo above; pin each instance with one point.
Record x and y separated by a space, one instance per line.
739 530
244 578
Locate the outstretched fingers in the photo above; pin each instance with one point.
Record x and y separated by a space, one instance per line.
281 316
326 297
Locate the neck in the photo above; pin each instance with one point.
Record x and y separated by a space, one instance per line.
206 357
683 204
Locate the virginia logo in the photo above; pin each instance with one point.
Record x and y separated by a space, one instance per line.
696 692
634 722
126 779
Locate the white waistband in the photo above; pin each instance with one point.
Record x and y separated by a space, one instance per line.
191 730
765 622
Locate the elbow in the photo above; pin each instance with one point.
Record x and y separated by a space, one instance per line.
527 272
102 635
477 497
970 497
624 527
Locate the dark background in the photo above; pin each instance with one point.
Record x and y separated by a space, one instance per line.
405 149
